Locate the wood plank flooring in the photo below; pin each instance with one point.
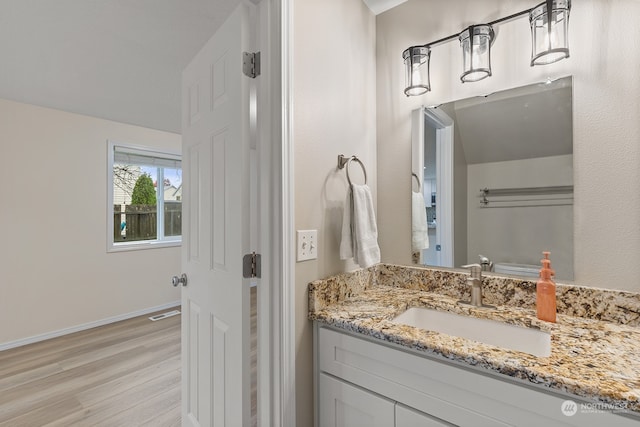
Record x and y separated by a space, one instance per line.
123 374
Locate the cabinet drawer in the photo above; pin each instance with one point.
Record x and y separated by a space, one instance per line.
345 405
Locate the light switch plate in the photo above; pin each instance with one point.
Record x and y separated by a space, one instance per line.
307 244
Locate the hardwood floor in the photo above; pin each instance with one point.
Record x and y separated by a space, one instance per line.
123 374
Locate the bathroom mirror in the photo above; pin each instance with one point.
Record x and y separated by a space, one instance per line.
494 178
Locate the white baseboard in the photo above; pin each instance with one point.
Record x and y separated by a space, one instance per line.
78 328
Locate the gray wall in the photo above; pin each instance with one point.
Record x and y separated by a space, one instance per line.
520 234
334 113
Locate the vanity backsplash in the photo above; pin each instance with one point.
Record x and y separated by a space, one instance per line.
621 307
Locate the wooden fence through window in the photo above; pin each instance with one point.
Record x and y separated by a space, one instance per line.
139 222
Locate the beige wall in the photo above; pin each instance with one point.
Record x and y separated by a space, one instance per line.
334 113
604 63
56 273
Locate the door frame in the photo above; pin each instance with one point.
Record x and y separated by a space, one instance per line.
288 327
278 303
444 182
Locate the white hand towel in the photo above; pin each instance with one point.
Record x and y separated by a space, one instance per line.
419 226
359 228
346 243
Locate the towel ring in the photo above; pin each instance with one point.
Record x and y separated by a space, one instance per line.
418 180
344 163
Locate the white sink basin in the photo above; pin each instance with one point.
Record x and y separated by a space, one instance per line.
532 341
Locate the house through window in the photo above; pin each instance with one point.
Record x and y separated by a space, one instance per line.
145 203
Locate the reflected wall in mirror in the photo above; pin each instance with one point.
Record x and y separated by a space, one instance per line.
494 178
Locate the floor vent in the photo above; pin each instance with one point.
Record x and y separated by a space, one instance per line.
164 315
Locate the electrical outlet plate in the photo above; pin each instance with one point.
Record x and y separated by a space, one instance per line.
307 244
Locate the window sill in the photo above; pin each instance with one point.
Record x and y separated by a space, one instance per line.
138 246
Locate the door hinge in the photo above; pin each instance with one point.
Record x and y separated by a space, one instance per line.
251 64
251 265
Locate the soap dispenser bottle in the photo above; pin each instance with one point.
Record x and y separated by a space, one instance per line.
546 292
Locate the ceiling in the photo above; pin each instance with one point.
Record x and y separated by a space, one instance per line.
115 59
522 123
379 6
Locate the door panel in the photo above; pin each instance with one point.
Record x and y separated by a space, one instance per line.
216 229
219 206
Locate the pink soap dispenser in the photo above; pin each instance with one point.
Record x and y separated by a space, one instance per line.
546 292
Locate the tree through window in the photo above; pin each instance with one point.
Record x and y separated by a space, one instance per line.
145 189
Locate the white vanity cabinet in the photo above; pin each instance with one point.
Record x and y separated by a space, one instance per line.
362 381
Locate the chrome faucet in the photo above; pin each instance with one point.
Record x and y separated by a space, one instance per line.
486 263
475 281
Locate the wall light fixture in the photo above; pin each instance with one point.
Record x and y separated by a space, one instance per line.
416 61
549 40
476 52
549 32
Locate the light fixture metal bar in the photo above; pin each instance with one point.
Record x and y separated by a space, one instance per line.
442 40
497 21
510 17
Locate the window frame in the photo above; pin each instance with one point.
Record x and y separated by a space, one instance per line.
166 242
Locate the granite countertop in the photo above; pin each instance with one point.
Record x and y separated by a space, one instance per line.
590 358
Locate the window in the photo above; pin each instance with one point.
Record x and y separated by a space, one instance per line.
144 199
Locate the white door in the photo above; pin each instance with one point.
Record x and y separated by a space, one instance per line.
216 227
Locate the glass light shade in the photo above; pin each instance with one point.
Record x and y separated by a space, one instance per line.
416 62
549 31
476 52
